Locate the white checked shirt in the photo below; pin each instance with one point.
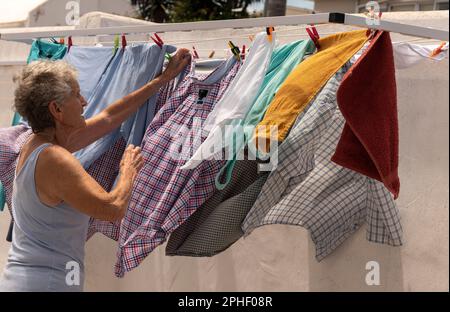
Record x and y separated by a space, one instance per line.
309 190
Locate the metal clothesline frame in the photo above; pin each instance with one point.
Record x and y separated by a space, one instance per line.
321 18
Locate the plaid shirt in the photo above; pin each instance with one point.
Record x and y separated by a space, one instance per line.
309 190
164 196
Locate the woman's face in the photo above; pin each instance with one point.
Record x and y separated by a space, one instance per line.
73 108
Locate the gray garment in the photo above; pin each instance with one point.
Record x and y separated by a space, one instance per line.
48 242
216 225
309 190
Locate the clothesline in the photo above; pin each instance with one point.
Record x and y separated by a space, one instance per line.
107 43
322 18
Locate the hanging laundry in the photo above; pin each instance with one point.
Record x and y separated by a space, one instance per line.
46 50
236 101
284 60
309 190
369 141
104 167
307 80
11 141
91 64
164 196
410 54
216 225
130 69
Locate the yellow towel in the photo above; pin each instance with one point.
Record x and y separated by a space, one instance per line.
306 80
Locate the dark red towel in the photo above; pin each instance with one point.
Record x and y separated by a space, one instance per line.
367 98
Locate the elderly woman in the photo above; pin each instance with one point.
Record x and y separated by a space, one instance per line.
53 195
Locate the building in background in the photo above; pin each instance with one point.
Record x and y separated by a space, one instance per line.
294 10
358 6
35 13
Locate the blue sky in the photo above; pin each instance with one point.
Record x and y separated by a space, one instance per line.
298 3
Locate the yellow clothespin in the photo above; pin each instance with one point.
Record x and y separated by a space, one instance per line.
235 50
251 37
438 50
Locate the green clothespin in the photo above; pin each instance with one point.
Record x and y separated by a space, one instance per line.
116 43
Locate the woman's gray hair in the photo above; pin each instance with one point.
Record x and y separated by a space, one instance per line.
40 83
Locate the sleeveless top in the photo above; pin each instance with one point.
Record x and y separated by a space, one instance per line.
47 251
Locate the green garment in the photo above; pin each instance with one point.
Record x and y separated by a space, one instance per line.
284 60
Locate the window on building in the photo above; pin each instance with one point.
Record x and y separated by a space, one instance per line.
442 6
426 7
402 7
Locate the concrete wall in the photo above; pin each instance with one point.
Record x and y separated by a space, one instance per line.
277 257
344 6
53 12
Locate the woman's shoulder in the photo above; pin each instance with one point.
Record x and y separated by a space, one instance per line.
56 155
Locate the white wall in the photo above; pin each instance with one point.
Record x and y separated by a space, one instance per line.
277 257
53 12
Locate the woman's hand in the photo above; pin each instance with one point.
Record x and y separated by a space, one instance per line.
176 64
131 161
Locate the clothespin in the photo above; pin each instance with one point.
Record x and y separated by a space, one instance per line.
370 32
251 37
69 43
61 40
438 50
243 52
124 41
235 50
314 35
195 53
116 43
211 55
159 42
269 31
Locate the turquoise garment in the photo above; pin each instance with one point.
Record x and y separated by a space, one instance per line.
2 197
47 250
284 60
39 50
46 50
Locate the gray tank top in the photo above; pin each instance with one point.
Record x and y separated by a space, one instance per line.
47 250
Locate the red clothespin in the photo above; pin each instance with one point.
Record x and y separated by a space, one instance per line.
269 31
61 40
124 41
314 35
157 40
195 53
243 52
69 43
